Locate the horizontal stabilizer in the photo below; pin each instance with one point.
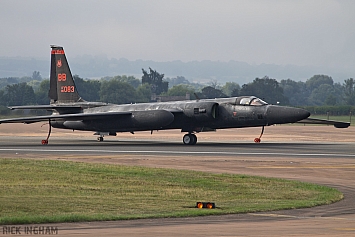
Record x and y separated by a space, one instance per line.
62 106
337 124
46 107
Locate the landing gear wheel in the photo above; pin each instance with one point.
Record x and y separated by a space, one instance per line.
100 139
257 140
186 139
194 139
189 139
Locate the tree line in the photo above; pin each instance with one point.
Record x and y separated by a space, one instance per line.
319 93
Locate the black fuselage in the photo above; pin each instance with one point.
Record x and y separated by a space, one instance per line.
189 116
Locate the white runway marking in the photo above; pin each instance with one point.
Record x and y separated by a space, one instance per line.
180 152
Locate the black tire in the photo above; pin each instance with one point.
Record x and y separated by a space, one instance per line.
194 139
189 139
186 139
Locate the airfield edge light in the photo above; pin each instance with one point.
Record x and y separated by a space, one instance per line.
208 205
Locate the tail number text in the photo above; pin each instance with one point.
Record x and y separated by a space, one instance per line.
62 77
67 89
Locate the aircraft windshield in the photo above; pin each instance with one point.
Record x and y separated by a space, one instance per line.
254 101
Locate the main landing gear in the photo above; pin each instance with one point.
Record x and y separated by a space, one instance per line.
102 134
258 139
189 139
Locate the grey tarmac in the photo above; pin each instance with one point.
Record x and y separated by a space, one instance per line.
318 154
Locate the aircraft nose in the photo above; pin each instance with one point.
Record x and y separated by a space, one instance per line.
282 114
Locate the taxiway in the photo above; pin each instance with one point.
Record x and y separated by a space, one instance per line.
287 152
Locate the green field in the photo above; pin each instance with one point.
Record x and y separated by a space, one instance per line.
44 191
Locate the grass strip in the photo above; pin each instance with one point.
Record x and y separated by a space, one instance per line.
49 191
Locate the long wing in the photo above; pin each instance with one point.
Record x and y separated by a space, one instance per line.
78 116
336 124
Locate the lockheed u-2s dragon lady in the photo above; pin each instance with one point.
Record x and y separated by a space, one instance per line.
70 111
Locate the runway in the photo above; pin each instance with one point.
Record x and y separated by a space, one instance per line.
90 146
330 162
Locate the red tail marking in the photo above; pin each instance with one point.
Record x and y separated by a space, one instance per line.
57 51
67 89
62 77
59 63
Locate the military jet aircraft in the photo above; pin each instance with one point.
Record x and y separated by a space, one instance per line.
70 111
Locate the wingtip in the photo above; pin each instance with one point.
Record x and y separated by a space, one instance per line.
342 125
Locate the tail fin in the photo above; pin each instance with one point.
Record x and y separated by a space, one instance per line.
62 87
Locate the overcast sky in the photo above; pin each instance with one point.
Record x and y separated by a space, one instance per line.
298 32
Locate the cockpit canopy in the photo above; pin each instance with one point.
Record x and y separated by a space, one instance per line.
241 100
250 100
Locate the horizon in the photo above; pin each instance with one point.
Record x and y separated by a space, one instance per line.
205 71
